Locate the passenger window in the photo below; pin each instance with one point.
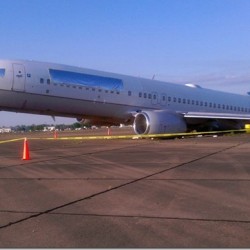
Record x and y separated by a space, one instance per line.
41 80
129 93
2 72
48 81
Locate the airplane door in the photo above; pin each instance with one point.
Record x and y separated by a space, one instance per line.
19 77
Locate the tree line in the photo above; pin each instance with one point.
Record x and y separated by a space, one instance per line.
42 127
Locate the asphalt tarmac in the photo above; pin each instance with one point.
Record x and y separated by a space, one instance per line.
192 192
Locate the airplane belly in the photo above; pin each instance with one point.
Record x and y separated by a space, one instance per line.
51 105
11 100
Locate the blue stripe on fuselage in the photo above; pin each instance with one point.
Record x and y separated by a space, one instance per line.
68 77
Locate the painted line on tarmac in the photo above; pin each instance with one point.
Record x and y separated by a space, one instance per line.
13 140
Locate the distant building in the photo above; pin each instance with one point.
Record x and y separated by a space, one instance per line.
50 128
5 130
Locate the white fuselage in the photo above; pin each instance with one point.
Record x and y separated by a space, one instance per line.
54 89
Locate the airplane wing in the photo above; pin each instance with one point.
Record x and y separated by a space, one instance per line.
217 115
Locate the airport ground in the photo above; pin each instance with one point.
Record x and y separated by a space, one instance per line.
192 192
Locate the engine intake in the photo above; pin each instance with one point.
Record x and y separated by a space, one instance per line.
158 122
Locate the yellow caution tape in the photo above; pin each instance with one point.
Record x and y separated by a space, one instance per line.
100 137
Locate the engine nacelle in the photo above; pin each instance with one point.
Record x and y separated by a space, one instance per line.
158 122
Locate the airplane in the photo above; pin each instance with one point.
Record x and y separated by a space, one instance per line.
102 98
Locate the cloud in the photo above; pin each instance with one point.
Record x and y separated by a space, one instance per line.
225 82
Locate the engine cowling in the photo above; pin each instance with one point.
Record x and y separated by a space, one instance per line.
158 122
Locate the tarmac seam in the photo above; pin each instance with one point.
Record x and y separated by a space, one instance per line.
117 187
120 179
131 216
154 217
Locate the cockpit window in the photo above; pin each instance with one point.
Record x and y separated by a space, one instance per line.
68 77
2 72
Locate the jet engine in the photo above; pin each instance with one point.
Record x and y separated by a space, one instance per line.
158 122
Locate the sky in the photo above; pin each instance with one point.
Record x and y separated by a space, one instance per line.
205 42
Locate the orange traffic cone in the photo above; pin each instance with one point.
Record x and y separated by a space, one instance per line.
26 154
